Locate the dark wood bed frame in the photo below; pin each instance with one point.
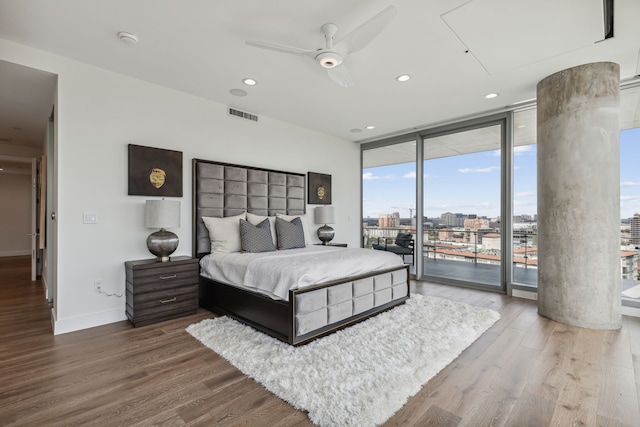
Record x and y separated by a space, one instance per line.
273 317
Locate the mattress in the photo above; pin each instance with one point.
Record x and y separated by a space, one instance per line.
275 273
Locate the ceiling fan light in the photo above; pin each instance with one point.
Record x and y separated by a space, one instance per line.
329 59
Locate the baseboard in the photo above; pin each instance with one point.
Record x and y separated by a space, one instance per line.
519 293
63 326
25 252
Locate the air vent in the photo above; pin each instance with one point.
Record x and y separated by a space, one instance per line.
242 114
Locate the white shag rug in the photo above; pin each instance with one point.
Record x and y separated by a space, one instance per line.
358 376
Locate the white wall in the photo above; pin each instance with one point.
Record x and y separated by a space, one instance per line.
98 114
15 214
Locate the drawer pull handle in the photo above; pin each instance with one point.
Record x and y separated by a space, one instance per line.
164 301
173 276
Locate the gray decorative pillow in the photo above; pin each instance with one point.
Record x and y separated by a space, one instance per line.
290 233
256 238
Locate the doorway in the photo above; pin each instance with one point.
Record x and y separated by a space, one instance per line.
27 137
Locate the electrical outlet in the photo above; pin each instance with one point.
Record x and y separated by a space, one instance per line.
97 285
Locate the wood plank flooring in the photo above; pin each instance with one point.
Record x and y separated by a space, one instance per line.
526 370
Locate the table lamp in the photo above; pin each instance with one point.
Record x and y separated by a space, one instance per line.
162 214
325 215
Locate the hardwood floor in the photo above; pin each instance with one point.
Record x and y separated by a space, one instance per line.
526 370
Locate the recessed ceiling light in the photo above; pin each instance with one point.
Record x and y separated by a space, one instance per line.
355 130
250 82
491 95
238 92
521 126
370 127
128 38
403 77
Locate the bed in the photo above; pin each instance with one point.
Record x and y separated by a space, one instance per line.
315 291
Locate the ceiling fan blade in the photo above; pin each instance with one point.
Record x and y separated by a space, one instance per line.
281 48
365 33
340 75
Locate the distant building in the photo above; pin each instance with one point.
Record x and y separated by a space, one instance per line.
635 230
389 220
453 219
476 223
491 241
445 234
629 265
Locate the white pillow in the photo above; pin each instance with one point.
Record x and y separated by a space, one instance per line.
224 233
303 219
257 219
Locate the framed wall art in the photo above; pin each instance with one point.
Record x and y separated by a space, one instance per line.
154 172
319 188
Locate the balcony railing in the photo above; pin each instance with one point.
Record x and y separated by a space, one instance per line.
457 250
478 246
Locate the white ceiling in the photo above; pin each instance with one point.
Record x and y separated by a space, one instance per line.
456 51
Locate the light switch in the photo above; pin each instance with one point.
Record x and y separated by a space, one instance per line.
90 218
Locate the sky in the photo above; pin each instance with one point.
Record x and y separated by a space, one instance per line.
470 183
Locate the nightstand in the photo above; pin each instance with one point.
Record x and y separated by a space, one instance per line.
158 291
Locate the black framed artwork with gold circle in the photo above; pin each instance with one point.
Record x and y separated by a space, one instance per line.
319 188
154 172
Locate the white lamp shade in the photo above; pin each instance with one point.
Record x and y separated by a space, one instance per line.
325 215
162 214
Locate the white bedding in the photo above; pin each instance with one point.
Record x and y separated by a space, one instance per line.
274 273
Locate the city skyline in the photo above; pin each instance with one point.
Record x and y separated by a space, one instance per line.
470 183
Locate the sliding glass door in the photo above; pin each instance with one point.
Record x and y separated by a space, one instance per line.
463 206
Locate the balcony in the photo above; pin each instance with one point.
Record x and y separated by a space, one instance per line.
474 256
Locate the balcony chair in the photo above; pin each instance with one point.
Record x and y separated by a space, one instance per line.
402 246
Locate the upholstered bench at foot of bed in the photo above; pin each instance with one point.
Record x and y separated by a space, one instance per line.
318 308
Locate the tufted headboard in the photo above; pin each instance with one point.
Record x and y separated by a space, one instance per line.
222 189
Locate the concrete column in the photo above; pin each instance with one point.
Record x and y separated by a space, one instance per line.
579 196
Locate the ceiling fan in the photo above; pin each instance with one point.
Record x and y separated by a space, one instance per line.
332 56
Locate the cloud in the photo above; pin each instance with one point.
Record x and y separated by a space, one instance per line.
412 175
479 170
522 149
524 194
629 198
517 151
629 184
369 176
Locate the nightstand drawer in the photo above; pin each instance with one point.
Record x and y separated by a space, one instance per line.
155 309
164 274
165 300
155 284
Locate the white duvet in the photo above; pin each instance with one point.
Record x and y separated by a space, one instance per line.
274 273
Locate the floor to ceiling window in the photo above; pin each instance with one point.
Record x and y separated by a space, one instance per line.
630 213
470 196
525 200
462 206
389 200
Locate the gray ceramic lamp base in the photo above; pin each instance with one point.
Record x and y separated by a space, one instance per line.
162 243
325 234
